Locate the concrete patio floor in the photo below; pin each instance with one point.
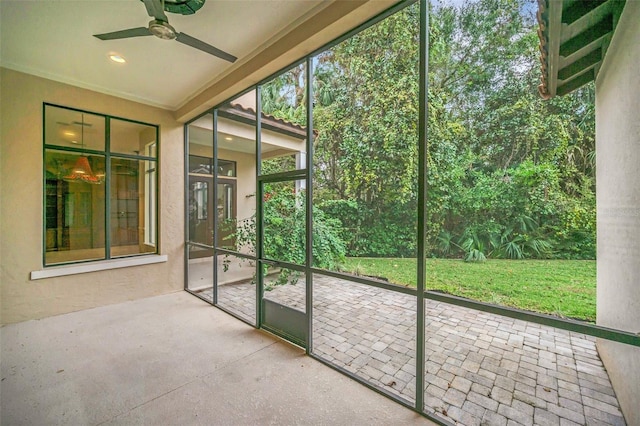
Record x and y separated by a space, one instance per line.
480 369
172 360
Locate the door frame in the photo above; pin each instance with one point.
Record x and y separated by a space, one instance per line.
285 321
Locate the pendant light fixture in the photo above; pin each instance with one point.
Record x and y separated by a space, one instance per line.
81 171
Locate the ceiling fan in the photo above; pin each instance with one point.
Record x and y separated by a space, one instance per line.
160 28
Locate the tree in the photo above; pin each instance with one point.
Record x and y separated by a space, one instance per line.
509 174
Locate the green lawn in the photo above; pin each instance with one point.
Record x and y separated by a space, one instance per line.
565 288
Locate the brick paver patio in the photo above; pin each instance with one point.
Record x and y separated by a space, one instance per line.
480 368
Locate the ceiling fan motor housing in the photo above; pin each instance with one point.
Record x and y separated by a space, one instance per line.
162 30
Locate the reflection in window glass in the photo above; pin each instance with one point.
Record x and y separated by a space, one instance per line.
128 208
201 194
150 199
74 207
74 129
226 168
130 138
204 166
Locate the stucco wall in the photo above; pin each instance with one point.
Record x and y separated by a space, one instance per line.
618 202
21 205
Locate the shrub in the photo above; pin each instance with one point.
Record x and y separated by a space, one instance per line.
284 233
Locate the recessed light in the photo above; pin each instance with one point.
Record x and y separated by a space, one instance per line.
69 133
228 138
76 142
117 58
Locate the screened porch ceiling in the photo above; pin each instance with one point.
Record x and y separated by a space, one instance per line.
46 39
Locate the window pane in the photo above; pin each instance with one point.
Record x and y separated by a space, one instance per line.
200 165
129 208
150 201
131 138
73 129
226 168
74 207
283 121
76 213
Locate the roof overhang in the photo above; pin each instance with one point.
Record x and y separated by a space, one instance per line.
574 37
335 19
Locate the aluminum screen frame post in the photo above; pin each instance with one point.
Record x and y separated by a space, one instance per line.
423 124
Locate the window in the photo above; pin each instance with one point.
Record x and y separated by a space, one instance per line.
226 168
204 166
100 199
150 199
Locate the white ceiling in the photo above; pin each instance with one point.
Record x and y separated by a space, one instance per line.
54 39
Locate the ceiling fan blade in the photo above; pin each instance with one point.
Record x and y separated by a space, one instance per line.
131 32
198 44
155 10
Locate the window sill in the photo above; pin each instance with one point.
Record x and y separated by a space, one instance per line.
60 271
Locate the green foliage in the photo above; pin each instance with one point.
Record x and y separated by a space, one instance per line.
366 149
284 96
509 175
329 248
382 236
284 233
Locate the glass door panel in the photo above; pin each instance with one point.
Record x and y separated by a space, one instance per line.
201 213
226 207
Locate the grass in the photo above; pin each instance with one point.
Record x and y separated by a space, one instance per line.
565 288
